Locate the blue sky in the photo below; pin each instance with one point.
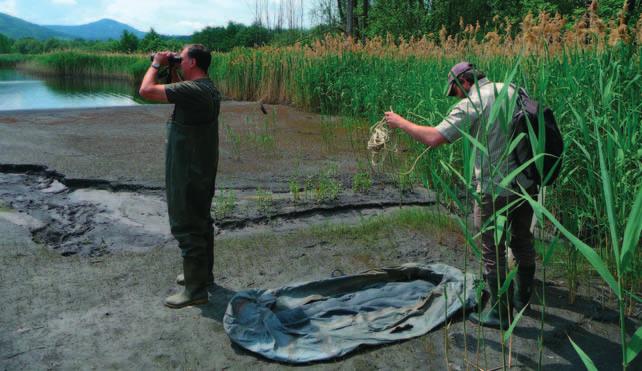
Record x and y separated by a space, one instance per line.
165 16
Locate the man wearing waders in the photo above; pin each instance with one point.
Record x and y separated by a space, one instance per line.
472 115
190 164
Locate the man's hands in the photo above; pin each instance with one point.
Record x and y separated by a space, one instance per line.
394 120
149 89
162 58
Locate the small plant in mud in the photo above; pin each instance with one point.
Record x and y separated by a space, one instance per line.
264 201
263 136
308 186
224 204
295 190
361 181
327 187
234 139
4 207
405 182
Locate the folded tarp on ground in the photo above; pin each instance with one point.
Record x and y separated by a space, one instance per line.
326 319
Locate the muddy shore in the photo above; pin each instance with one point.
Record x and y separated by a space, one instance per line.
126 144
87 258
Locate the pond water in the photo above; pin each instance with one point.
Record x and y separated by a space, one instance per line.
23 91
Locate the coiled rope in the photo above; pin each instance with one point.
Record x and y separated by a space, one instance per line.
378 145
378 142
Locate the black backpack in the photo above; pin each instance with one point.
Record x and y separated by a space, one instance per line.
527 112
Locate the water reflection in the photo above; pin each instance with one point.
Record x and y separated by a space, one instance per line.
19 90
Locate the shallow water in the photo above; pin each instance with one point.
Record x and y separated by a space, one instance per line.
21 91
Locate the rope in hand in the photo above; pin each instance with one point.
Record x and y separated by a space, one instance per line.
415 163
378 145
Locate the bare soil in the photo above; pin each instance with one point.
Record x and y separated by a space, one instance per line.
87 258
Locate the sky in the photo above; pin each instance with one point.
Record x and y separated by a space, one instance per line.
168 17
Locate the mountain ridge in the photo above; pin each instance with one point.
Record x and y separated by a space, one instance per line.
102 29
17 28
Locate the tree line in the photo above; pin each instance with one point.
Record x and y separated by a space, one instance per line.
416 18
360 19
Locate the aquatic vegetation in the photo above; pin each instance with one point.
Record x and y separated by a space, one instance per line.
264 201
295 190
224 204
327 187
361 180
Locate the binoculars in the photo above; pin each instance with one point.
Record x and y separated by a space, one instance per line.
172 59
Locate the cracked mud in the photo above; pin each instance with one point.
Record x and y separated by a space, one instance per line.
110 217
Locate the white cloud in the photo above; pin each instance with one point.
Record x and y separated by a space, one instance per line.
190 26
8 7
64 2
168 18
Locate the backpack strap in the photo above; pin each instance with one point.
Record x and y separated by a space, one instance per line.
520 110
521 94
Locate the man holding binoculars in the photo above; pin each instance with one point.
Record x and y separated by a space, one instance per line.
190 164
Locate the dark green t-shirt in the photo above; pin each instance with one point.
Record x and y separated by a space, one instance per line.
197 102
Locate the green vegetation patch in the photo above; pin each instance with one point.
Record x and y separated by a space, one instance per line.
4 207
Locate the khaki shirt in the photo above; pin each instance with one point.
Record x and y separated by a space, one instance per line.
473 116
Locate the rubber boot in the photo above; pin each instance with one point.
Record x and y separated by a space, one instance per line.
195 291
180 279
523 287
496 315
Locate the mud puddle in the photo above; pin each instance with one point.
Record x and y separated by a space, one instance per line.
95 217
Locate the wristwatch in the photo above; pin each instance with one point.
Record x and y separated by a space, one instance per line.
156 65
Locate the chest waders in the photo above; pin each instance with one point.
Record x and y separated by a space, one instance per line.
190 174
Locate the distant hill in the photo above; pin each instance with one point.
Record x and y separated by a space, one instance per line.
17 28
100 30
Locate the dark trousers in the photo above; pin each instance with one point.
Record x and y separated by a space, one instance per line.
518 224
191 162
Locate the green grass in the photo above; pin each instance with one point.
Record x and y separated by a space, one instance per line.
327 187
264 202
419 219
75 63
224 204
295 189
4 207
11 60
361 182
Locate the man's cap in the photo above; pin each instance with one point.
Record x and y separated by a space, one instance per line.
455 72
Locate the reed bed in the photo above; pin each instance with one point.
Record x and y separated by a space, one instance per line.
83 64
586 74
590 74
